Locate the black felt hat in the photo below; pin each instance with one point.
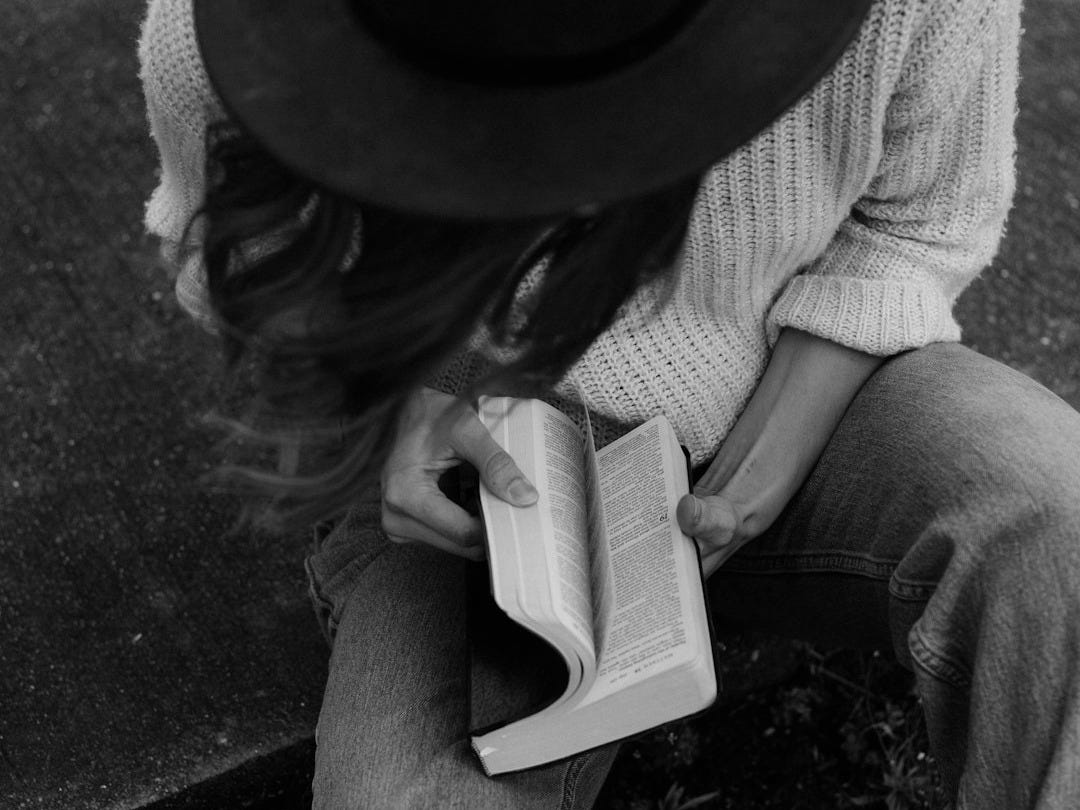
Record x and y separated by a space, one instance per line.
512 108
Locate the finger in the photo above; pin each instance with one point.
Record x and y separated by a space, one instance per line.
408 506
712 560
496 468
405 526
417 533
711 519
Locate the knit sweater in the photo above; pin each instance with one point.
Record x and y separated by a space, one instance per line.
859 215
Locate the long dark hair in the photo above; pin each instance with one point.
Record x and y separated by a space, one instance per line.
341 310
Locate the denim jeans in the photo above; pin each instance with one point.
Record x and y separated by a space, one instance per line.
942 523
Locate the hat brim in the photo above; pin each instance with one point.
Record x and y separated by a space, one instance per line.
337 106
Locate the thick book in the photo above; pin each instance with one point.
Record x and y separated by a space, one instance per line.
599 570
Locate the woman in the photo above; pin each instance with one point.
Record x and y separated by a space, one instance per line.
753 217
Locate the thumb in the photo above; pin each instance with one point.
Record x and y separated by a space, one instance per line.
711 520
496 468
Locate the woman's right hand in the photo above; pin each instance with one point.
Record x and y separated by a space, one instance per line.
440 431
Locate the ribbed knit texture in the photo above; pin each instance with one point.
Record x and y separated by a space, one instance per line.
858 216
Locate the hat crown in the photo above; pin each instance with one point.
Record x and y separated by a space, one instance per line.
500 109
508 41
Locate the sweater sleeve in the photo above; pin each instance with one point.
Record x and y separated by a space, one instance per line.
932 217
179 105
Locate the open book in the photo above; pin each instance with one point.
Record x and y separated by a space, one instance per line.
599 569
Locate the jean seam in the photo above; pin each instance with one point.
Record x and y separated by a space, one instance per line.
835 562
909 591
315 589
935 663
323 609
570 783
350 568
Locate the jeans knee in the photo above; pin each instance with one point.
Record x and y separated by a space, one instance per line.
1020 589
1056 552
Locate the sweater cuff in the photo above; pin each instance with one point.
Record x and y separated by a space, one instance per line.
874 316
192 294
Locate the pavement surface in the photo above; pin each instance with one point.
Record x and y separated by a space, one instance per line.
145 646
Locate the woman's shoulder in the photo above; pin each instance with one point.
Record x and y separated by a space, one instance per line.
933 30
172 71
940 48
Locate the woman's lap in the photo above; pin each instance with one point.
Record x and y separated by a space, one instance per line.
942 523
393 731
941 446
896 529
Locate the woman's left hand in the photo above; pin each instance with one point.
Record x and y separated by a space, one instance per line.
774 444
715 522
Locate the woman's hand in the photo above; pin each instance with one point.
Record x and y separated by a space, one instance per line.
440 431
715 523
775 443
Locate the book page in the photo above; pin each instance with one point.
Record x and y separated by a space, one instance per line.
600 581
533 577
564 492
647 625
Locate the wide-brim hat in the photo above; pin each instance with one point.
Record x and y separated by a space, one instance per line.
512 108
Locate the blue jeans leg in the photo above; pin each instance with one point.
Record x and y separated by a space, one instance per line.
943 523
393 730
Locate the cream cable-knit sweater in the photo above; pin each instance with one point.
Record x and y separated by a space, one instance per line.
858 216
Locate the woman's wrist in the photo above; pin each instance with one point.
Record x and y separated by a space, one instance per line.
777 440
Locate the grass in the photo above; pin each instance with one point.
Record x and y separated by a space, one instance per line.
846 731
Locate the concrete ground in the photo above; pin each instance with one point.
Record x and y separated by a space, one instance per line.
143 647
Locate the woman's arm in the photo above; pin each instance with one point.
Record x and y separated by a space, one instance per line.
929 222
775 443
179 105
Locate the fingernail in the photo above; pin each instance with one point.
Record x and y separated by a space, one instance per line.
696 518
522 492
